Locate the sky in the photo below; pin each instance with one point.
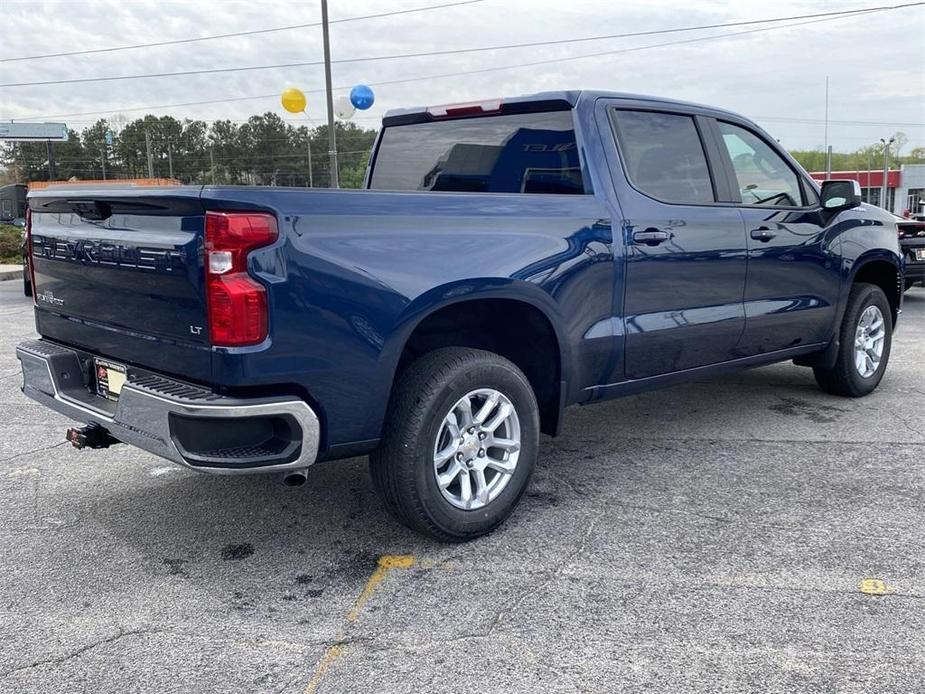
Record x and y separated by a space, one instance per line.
875 63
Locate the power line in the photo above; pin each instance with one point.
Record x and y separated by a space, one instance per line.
235 34
825 16
840 122
462 73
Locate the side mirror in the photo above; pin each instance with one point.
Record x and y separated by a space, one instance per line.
841 195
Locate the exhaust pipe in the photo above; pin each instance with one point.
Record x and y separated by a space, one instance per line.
295 478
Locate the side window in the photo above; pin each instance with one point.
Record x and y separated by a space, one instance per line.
664 156
764 178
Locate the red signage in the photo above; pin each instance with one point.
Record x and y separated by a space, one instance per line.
867 179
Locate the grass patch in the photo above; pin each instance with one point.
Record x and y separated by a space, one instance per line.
10 240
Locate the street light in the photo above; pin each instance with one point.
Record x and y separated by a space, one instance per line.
886 169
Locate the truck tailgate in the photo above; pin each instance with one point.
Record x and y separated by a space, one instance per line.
120 271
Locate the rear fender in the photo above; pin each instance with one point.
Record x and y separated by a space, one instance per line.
452 293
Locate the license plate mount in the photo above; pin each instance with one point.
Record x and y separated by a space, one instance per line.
109 378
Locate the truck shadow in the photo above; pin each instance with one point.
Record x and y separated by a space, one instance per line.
326 536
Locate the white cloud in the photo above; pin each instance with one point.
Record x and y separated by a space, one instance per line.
875 63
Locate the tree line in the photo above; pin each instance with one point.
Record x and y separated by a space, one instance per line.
264 150
866 158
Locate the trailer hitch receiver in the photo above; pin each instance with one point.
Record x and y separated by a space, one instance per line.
90 436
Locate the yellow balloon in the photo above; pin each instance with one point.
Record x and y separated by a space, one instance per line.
293 100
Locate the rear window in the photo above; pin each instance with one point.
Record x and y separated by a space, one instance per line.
519 153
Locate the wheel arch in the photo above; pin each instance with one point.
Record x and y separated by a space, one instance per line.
883 269
463 310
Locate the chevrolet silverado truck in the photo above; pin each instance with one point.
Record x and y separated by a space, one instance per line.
507 259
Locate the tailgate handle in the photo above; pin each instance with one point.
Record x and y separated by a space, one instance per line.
90 209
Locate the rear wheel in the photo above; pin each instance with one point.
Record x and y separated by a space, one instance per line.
866 336
459 445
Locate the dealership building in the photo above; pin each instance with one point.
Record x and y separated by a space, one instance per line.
905 187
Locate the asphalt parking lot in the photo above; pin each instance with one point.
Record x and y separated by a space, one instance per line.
712 537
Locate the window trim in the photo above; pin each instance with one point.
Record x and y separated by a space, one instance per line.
698 128
811 199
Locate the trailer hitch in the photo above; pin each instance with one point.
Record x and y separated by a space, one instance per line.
90 436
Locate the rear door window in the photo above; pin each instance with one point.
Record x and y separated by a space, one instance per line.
517 153
664 156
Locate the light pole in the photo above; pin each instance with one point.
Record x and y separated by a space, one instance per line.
886 169
332 139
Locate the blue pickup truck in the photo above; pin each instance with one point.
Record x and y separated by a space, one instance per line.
507 259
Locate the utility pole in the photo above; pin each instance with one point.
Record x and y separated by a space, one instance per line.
828 150
50 150
332 138
311 178
870 165
150 156
884 203
212 163
170 158
103 160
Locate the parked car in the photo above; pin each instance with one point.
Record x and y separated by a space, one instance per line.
912 243
508 259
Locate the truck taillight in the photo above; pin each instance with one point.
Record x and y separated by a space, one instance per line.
237 303
29 261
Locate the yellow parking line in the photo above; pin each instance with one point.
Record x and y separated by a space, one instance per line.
330 655
386 563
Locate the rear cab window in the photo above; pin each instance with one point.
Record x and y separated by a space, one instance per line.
532 153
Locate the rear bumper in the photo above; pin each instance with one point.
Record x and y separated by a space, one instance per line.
183 423
915 272
915 269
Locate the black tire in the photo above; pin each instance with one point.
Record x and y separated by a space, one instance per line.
402 468
844 378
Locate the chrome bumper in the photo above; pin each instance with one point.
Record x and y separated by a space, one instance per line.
145 415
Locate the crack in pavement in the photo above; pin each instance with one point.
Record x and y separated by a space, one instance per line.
760 524
83 649
552 574
35 450
905 423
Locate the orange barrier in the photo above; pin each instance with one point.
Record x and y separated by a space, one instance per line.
38 185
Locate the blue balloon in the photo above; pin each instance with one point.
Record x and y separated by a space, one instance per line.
362 97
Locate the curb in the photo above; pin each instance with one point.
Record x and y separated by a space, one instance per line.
11 275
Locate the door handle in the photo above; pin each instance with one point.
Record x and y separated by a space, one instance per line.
651 237
763 234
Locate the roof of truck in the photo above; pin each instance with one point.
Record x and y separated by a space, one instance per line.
562 97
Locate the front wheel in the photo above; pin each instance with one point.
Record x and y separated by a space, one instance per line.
866 336
459 444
